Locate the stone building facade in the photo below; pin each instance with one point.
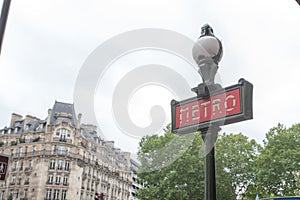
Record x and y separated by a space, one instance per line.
60 158
136 184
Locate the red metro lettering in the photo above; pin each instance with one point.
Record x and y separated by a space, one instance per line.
215 107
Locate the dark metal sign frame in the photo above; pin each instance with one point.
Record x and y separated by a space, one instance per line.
246 112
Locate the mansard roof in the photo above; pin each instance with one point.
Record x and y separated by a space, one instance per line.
63 112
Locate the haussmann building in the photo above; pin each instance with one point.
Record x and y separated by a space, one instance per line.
60 158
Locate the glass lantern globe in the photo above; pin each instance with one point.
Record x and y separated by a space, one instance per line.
207 53
207 46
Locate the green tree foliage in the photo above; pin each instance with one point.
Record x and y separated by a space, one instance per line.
278 165
169 160
235 155
243 168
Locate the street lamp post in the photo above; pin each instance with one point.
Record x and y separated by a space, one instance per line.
207 53
181 187
213 107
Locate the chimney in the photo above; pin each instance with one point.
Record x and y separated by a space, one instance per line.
127 158
15 117
110 143
118 150
30 118
79 120
49 116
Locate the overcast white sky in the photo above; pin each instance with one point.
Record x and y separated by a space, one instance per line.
47 41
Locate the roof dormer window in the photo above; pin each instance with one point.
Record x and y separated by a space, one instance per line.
27 127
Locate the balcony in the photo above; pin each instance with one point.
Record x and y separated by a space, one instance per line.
59 168
13 143
63 140
49 182
36 139
21 140
28 169
65 184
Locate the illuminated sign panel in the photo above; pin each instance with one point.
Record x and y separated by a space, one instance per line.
225 106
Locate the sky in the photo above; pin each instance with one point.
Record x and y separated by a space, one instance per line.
48 41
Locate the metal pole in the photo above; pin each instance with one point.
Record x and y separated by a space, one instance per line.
210 136
3 20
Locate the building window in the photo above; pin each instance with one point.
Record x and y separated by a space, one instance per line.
19 180
67 165
13 180
16 130
25 193
2 195
26 180
64 194
52 164
65 180
50 178
63 133
17 194
68 151
48 193
16 163
57 181
33 150
61 150
53 149
42 126
56 194
60 164
20 151
30 164
27 127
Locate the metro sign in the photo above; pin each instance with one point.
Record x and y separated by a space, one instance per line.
224 106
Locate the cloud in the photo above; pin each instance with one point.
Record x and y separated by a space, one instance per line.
46 43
